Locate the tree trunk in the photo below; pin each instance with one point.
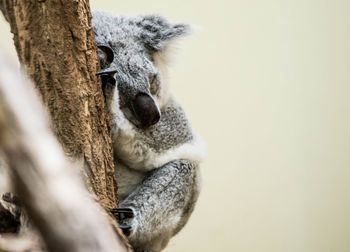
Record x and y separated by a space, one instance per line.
56 46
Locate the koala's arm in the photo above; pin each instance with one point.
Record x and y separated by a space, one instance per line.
162 204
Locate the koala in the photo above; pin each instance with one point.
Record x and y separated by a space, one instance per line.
157 152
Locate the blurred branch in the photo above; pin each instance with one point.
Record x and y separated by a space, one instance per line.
47 184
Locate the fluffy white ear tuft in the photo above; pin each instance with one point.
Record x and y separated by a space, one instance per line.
156 31
163 59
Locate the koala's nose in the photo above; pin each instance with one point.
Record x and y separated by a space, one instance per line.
146 110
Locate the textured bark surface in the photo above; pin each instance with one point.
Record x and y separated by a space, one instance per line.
56 46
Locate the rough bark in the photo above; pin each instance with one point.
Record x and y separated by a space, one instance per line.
45 181
56 46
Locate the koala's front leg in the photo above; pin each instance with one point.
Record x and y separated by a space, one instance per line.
161 205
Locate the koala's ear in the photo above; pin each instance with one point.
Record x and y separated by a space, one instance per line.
157 31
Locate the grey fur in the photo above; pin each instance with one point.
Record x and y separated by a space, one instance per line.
156 166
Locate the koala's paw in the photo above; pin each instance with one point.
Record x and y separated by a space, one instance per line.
124 217
10 213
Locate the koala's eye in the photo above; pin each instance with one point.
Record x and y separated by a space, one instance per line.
152 78
153 83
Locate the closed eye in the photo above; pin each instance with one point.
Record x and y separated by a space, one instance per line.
152 78
152 82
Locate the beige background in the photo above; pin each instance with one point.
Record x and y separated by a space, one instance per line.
267 85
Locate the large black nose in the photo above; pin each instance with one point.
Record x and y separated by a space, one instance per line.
145 110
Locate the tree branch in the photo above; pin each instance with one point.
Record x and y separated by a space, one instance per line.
56 46
47 184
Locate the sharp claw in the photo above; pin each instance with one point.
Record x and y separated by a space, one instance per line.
125 228
108 52
124 210
107 76
123 213
106 72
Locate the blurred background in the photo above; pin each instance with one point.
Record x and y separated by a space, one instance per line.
267 85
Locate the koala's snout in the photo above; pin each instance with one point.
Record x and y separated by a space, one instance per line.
146 110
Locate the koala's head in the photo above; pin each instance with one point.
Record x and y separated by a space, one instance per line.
130 52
